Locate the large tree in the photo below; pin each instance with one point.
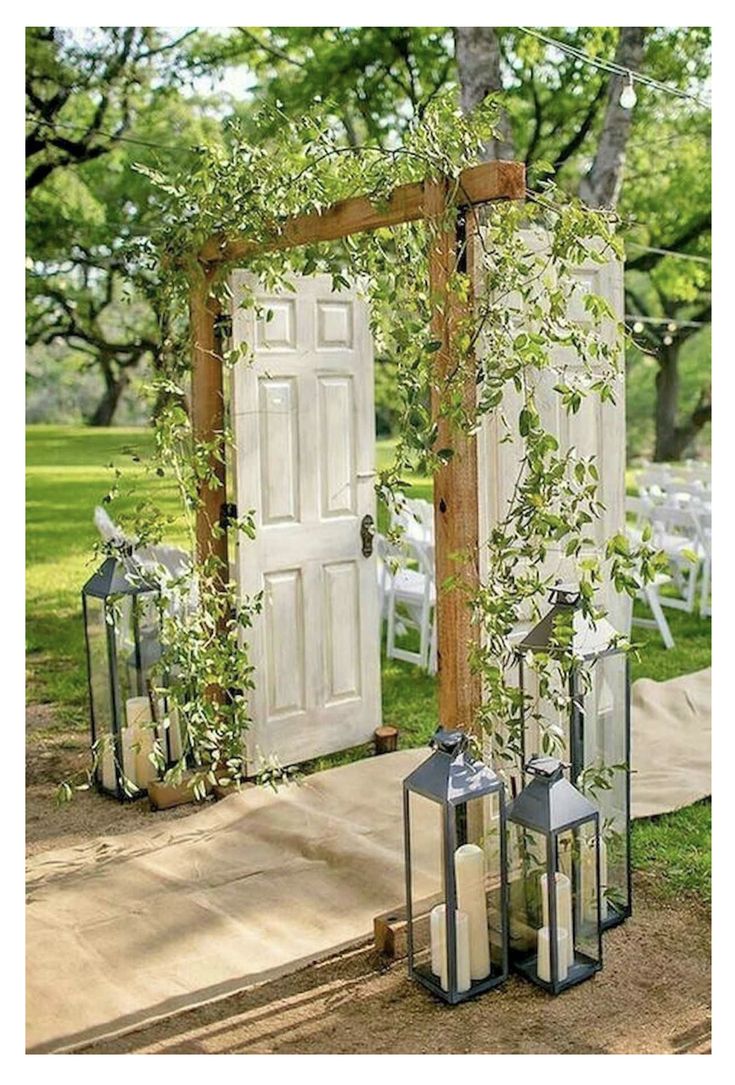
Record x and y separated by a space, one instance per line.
651 161
98 101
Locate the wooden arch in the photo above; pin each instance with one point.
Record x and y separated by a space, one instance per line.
455 483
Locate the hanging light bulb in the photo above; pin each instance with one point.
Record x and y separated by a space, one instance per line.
668 340
638 327
628 97
671 326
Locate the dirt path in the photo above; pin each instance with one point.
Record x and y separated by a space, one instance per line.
653 996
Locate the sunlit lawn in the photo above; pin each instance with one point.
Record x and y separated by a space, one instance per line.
68 474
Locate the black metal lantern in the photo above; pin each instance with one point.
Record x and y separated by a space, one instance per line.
456 886
554 886
122 631
593 734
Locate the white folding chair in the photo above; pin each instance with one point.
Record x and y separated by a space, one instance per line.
676 531
639 509
414 591
703 517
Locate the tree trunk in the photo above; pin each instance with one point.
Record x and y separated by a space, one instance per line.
667 403
477 53
105 410
601 186
672 440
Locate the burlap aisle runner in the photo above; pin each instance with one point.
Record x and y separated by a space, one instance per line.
126 929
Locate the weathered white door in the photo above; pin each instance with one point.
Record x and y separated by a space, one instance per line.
597 429
305 435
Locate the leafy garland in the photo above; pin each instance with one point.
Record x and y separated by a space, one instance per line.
249 189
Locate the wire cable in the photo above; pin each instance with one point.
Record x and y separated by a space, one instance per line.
616 69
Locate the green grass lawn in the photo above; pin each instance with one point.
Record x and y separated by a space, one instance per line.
68 473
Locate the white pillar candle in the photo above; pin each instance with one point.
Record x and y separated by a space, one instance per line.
469 868
138 742
439 962
106 761
563 909
437 928
543 962
589 881
175 739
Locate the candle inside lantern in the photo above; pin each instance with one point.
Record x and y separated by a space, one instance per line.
563 909
589 881
469 867
439 963
106 756
138 742
543 963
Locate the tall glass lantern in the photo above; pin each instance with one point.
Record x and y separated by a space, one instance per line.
593 732
554 883
122 630
456 887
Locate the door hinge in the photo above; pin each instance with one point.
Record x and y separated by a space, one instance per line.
227 514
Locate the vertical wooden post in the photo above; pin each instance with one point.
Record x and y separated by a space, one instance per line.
455 483
208 415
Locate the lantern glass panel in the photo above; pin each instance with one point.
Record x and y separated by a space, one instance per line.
563 866
100 691
606 756
485 828
425 883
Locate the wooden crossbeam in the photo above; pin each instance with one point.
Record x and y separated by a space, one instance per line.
476 185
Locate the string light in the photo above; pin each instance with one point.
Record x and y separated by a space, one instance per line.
667 340
671 327
616 69
628 96
638 327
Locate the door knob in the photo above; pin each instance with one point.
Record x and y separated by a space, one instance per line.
367 531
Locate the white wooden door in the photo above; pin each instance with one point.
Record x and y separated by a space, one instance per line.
305 436
597 429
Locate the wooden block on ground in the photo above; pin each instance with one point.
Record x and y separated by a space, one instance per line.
163 796
221 791
390 934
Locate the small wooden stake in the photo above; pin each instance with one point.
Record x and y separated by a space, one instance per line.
386 739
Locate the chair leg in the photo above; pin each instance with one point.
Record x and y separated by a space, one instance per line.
704 603
433 660
691 591
390 638
425 632
657 610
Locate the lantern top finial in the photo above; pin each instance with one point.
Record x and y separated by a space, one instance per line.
449 742
565 595
549 767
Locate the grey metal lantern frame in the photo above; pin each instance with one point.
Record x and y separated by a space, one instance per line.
451 779
549 805
563 598
118 576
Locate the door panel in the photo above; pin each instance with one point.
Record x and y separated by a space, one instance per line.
597 429
305 436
